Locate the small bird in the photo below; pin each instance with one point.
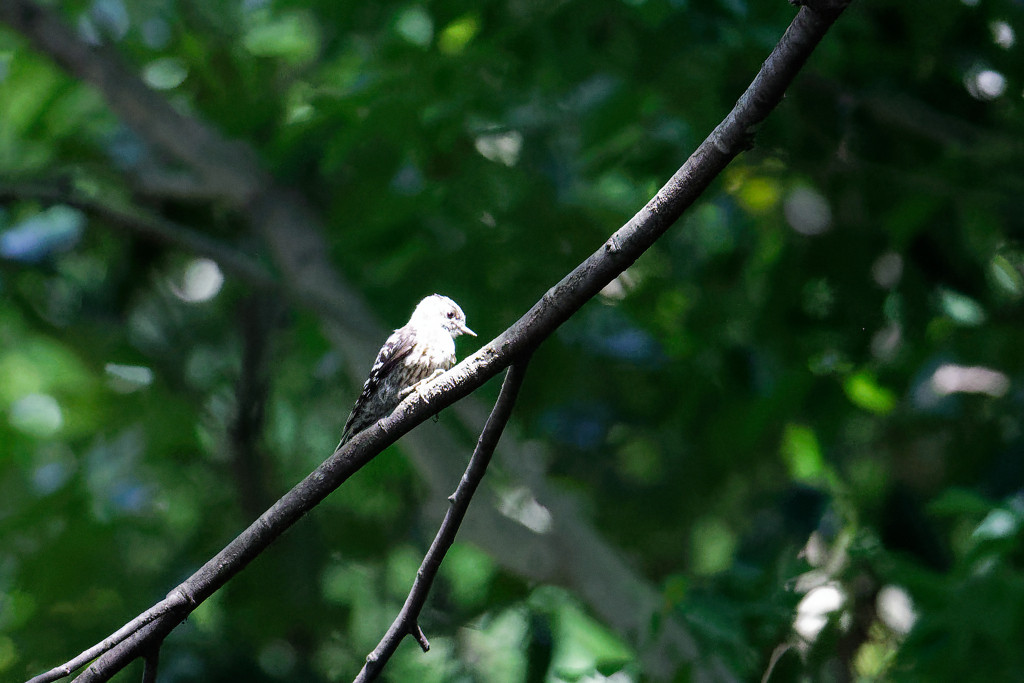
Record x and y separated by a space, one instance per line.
420 350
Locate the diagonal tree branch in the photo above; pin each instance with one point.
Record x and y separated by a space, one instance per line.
228 168
150 227
279 214
162 231
407 621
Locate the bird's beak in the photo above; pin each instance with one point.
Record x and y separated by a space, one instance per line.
465 330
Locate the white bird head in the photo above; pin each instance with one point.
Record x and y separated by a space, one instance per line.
440 310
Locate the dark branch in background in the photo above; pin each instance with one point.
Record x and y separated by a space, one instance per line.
257 319
865 614
407 622
151 227
155 180
917 117
219 162
162 231
280 214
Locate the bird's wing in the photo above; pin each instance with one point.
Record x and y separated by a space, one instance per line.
395 349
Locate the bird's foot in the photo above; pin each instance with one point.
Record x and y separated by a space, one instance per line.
420 387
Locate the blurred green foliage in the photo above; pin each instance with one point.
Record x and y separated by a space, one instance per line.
798 415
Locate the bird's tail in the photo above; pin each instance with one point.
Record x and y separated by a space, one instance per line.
344 440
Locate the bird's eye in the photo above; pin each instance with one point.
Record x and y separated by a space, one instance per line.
451 314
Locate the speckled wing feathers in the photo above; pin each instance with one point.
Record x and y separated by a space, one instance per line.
371 404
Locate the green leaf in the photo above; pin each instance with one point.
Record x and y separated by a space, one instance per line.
959 501
802 454
165 73
714 545
865 392
584 645
294 37
470 572
457 35
961 308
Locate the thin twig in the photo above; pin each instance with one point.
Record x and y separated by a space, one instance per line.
172 603
776 656
407 621
129 649
152 663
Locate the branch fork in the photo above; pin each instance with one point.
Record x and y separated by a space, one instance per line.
407 621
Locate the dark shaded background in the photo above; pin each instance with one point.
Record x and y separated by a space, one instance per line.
801 408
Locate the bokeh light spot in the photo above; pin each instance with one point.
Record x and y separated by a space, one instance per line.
201 281
896 609
807 211
38 415
501 148
415 25
456 35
